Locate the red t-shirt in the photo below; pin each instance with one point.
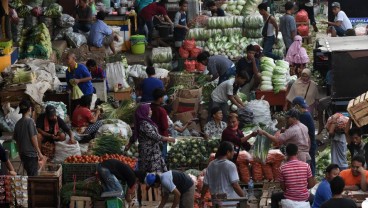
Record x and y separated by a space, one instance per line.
295 176
81 116
151 10
159 116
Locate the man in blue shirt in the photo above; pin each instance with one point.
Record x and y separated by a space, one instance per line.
307 119
323 192
80 74
101 34
150 84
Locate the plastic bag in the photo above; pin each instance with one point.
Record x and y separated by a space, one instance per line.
189 44
75 40
65 21
261 111
200 67
245 116
162 55
301 16
195 52
76 91
190 65
361 29
287 203
115 126
303 30
116 74
183 53
64 149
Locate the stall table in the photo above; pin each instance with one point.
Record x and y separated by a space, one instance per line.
273 99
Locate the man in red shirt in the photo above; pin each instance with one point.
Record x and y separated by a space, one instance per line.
146 17
159 116
295 179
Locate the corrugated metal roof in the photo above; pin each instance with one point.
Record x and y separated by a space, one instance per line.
350 43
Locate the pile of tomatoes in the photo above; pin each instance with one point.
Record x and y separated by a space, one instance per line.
97 159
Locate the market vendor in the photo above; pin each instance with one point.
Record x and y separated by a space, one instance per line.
296 133
150 84
52 128
180 23
5 159
337 188
100 34
83 17
160 117
228 91
355 144
221 176
235 135
356 176
250 64
148 13
295 180
323 192
80 74
215 11
217 66
83 119
112 170
174 182
25 134
307 119
215 127
341 23
96 71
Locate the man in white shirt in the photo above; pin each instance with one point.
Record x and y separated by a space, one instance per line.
341 24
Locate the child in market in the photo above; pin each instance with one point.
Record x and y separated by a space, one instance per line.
180 23
228 91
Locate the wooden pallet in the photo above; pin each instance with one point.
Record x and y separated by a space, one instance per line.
268 189
358 109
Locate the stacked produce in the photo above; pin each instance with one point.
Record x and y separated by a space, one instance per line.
250 7
192 152
108 144
231 46
253 24
35 43
124 112
225 22
323 159
234 7
23 75
279 48
97 159
202 33
162 55
269 169
189 50
267 67
207 87
280 75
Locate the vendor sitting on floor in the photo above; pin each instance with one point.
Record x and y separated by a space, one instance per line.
84 121
101 34
49 127
112 170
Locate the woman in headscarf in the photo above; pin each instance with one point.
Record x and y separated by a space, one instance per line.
150 141
305 88
297 56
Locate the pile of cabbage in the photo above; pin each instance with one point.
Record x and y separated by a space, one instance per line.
274 75
234 7
250 7
278 49
35 42
204 34
253 24
231 46
162 55
225 22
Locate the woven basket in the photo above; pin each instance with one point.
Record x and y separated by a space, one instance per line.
181 78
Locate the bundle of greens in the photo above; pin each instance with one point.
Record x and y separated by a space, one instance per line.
22 76
108 144
53 11
124 112
262 145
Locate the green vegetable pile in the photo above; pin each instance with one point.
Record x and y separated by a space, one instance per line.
35 42
23 10
274 75
262 145
162 55
323 159
91 189
22 76
192 152
53 11
231 46
124 112
133 151
108 144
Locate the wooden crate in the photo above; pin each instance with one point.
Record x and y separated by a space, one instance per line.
122 95
44 191
358 109
153 194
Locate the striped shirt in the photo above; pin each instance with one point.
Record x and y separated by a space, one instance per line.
294 174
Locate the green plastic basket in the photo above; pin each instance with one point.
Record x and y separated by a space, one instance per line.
138 44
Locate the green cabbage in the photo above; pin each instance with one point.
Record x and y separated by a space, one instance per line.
265 78
267 73
266 87
253 21
282 63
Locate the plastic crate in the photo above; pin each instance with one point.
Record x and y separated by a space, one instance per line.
80 171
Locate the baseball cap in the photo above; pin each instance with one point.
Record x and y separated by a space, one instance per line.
150 179
300 101
293 113
335 4
50 110
24 105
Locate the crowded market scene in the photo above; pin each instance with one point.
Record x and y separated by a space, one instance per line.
183 103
